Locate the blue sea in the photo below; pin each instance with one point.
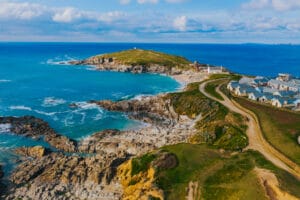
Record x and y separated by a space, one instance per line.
33 81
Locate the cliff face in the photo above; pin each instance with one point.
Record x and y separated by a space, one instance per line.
138 61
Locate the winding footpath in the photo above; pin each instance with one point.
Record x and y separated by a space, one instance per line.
256 140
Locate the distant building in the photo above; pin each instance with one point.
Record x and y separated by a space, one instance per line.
284 77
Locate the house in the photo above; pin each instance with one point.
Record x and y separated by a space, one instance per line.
277 102
275 84
255 96
260 81
244 90
284 77
232 85
266 98
246 80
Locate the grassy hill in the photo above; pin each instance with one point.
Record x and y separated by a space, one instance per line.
146 57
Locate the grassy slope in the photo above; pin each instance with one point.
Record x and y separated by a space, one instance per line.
218 126
280 127
219 176
210 88
147 57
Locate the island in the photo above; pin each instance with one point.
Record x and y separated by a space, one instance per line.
201 142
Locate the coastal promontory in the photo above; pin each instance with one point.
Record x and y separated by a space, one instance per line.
138 61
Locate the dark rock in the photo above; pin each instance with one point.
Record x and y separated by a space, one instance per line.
36 128
166 161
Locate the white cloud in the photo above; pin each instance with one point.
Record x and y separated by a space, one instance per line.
147 1
180 23
124 2
175 1
24 11
278 5
283 5
257 4
66 15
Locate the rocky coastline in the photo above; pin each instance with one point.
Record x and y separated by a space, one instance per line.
111 64
38 129
87 169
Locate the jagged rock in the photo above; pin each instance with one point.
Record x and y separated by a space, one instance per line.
155 109
36 128
35 152
58 173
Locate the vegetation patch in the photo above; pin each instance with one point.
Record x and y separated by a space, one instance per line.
191 102
141 164
147 57
280 127
210 88
220 176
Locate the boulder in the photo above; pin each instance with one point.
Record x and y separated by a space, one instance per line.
299 139
35 152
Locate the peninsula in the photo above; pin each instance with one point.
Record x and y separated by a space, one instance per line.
201 142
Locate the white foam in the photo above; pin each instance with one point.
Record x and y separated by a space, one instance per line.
88 106
45 113
140 96
52 101
20 108
60 60
4 80
5 128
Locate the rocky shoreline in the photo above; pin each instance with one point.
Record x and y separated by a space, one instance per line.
87 169
38 129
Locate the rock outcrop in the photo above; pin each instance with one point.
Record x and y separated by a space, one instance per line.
35 152
59 176
112 64
149 109
36 128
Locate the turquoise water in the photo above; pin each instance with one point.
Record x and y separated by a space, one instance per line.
32 82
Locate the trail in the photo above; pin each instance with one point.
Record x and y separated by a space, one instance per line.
256 140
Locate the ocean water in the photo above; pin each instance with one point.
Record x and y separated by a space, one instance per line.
35 81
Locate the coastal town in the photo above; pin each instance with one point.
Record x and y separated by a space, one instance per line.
282 91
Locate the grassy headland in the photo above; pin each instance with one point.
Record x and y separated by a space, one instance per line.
147 57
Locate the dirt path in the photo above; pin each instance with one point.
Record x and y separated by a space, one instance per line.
254 133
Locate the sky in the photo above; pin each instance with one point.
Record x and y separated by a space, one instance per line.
157 21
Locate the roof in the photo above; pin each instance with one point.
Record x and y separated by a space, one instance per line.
257 94
269 90
246 80
285 93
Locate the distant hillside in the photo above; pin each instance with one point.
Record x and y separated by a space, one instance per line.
138 61
146 57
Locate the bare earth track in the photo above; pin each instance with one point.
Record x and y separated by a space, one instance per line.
256 140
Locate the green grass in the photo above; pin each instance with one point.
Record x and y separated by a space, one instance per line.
141 164
191 102
147 58
210 88
228 76
220 176
280 128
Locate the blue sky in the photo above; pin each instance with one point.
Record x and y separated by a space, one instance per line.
189 21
